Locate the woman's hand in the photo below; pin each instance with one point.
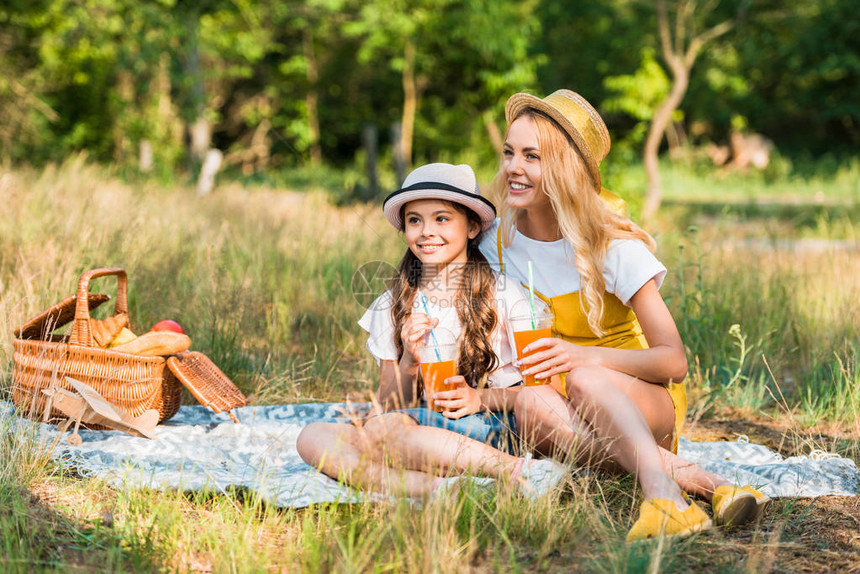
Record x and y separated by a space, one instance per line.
663 360
554 356
460 401
415 327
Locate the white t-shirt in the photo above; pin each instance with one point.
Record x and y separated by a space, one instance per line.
381 344
627 267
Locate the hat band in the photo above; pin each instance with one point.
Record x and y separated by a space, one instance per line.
431 185
434 185
582 121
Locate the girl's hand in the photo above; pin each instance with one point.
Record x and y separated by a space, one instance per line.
460 401
557 356
412 334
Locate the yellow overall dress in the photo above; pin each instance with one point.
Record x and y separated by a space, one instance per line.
622 332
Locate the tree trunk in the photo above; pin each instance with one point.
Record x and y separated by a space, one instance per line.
201 136
125 97
200 130
211 164
312 96
145 160
261 145
166 129
369 141
493 132
680 55
410 103
397 151
662 117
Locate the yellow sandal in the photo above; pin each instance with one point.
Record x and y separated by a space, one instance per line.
733 505
660 517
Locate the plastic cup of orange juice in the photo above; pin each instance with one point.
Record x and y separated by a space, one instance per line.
528 329
438 362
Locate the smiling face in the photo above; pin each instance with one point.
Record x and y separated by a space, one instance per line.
521 166
437 232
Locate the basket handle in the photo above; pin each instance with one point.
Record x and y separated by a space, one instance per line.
81 334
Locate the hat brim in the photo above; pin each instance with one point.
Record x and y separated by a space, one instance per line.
520 102
396 200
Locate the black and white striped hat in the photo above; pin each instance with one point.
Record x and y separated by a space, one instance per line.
454 183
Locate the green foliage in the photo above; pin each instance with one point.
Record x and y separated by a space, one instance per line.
788 71
589 41
106 76
638 96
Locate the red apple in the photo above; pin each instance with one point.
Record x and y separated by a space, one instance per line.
168 325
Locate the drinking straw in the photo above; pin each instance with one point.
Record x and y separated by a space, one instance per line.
532 293
432 334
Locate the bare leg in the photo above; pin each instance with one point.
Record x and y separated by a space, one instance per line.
343 452
610 414
692 478
656 405
550 425
555 427
437 451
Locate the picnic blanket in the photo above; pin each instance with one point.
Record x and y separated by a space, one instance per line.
198 449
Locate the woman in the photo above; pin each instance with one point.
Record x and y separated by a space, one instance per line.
618 363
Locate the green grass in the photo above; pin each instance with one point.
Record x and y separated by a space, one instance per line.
761 322
824 181
810 200
262 280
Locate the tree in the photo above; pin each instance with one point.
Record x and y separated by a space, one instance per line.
402 30
584 45
680 45
803 70
492 58
23 86
637 95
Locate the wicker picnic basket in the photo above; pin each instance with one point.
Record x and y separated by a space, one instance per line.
134 383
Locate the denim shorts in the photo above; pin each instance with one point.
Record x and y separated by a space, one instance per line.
494 428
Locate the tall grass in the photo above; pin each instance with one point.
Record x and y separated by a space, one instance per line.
760 320
823 181
263 281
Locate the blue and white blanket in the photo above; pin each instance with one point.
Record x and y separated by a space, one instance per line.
198 449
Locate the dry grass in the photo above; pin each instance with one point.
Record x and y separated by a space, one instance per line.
262 280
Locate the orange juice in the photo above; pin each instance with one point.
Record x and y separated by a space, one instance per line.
522 340
434 375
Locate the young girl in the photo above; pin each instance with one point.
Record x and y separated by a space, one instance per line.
617 364
443 283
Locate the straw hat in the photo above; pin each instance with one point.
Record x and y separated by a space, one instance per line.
455 183
576 117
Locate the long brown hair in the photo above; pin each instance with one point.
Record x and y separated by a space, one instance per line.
584 219
475 302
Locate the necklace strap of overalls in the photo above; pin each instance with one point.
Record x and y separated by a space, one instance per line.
499 247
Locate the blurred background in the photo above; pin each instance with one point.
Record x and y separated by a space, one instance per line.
735 129
349 93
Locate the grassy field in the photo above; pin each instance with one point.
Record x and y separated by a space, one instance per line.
766 292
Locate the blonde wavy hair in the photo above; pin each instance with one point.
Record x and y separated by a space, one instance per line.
584 219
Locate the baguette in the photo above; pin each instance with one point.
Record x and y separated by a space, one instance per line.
156 343
106 330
